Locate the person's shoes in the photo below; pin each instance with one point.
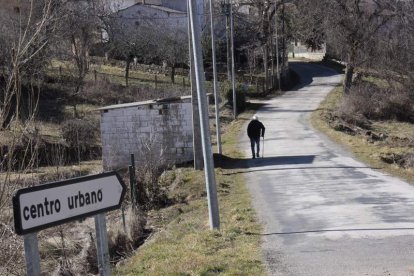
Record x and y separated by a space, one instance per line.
257 155
253 156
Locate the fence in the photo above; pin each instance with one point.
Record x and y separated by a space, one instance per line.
156 80
256 83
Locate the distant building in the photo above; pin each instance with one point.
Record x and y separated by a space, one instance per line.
117 5
132 16
154 10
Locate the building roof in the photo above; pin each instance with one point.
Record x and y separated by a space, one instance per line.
158 101
126 4
168 10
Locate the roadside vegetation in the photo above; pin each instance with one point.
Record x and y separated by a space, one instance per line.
373 110
184 244
384 139
61 60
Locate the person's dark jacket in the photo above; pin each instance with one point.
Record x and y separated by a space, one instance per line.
255 129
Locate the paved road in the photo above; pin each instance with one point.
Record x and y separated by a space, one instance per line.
324 212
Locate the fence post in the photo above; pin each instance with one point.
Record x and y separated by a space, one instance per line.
123 219
95 74
156 81
183 82
134 199
131 171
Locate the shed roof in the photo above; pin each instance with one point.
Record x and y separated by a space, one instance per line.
158 101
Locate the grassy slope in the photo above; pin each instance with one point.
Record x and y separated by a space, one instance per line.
368 152
186 246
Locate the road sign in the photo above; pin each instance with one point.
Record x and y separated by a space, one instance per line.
52 204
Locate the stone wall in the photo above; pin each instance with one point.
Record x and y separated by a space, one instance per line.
153 131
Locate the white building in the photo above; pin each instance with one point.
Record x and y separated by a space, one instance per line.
162 129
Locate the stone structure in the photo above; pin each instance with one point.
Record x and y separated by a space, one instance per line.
159 130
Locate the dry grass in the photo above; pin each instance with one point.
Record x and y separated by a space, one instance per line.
369 152
184 244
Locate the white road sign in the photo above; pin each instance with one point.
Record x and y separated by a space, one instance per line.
43 206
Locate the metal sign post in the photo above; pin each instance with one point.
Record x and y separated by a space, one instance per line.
31 251
102 250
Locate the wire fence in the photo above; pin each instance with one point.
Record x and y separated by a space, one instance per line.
252 84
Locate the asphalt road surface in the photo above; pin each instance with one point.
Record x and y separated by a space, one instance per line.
324 212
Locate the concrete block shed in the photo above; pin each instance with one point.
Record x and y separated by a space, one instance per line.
152 130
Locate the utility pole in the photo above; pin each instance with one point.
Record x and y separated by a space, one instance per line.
225 10
277 49
284 60
233 71
197 148
205 133
215 86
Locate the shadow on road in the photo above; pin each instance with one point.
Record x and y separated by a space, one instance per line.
225 162
248 165
328 230
308 72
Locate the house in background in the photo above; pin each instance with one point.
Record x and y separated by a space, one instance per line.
154 9
117 5
138 16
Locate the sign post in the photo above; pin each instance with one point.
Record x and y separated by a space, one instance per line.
31 251
56 203
102 250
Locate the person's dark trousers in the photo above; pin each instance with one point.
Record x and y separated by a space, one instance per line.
253 142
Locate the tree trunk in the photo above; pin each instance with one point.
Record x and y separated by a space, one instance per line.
173 73
127 63
228 49
349 72
272 52
265 63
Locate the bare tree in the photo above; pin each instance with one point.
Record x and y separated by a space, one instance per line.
172 46
79 30
24 38
127 40
350 26
263 20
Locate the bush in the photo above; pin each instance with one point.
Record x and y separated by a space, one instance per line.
79 132
103 92
368 101
240 98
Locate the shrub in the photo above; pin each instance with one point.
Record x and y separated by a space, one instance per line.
150 190
103 92
240 98
368 101
79 132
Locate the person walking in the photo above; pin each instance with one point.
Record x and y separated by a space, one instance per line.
255 129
